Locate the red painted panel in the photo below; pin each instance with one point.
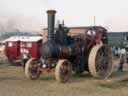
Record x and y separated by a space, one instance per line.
13 51
34 50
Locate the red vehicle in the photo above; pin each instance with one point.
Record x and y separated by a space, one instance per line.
12 48
22 47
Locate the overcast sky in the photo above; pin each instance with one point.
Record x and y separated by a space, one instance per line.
30 14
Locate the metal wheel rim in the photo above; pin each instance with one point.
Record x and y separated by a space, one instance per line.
100 68
29 72
63 71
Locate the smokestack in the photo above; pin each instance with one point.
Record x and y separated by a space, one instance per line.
51 23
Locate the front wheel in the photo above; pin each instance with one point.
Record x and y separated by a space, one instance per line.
63 71
31 69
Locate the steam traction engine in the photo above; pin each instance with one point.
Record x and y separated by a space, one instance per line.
86 52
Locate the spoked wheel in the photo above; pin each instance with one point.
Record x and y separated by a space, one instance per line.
63 71
31 71
100 61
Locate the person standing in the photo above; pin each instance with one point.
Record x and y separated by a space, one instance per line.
113 50
119 52
122 59
127 56
24 56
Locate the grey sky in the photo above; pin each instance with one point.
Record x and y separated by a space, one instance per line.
30 14
26 14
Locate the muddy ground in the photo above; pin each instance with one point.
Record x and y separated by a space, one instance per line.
14 83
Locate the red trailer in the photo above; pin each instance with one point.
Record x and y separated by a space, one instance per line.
20 48
12 48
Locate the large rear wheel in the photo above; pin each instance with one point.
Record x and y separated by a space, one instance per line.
31 69
63 71
100 62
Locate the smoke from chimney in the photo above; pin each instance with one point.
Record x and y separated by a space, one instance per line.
20 23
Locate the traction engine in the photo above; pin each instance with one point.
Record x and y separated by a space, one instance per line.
67 54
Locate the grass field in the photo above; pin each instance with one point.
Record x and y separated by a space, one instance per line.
14 83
